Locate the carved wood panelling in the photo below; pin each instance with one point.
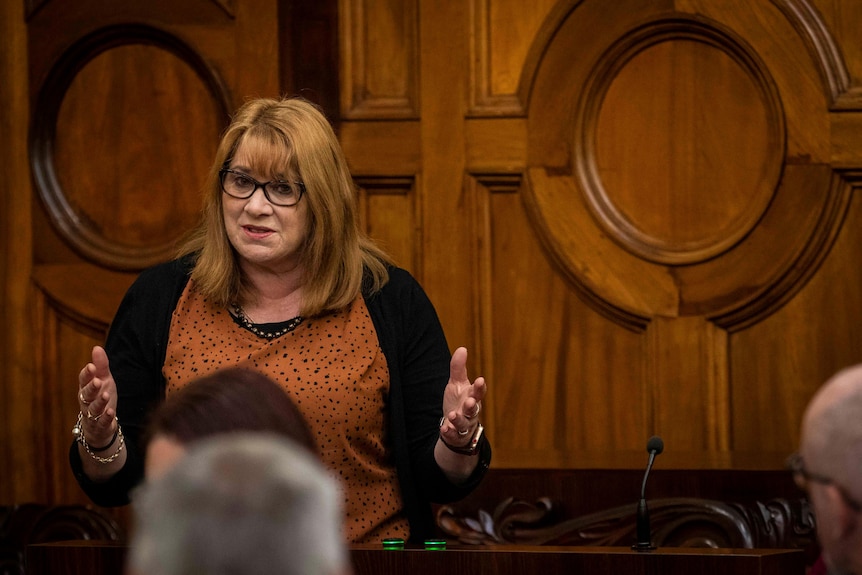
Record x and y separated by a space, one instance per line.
821 37
671 188
621 145
226 6
779 362
307 40
32 524
641 216
62 347
390 214
125 103
686 372
16 354
838 22
380 59
675 522
548 355
500 57
100 99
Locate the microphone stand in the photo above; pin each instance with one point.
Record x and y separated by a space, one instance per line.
644 536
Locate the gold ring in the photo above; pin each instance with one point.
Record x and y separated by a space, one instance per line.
92 417
464 432
81 397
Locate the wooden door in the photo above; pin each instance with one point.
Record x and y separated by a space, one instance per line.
640 216
126 103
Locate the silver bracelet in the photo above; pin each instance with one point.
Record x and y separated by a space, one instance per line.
78 432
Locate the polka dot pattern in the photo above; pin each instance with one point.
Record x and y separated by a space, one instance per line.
334 370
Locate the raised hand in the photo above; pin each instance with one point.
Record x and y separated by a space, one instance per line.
97 397
462 402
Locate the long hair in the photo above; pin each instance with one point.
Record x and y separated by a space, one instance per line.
291 136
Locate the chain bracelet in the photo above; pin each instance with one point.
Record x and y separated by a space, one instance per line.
78 432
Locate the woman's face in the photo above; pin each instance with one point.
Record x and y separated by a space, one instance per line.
264 235
162 454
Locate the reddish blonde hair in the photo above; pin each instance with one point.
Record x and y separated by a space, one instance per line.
291 136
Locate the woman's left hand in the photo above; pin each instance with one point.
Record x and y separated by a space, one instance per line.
462 402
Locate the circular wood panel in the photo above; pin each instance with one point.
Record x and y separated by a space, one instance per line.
682 143
658 176
124 135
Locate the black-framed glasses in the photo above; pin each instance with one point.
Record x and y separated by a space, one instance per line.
242 186
802 477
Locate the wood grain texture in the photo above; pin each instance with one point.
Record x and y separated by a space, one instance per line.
639 217
17 421
380 51
390 214
103 558
500 58
135 127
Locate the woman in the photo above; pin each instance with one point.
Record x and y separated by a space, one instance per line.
279 278
227 401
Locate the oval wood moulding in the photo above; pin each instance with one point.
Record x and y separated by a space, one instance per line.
660 177
123 132
680 141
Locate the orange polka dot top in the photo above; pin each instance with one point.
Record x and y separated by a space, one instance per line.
334 370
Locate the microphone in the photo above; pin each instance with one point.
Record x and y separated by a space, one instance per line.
654 446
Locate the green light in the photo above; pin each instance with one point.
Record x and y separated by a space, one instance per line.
435 544
393 544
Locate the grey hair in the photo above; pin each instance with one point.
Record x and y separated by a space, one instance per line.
833 430
243 503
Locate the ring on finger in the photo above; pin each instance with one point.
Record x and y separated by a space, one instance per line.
92 417
81 397
478 409
463 432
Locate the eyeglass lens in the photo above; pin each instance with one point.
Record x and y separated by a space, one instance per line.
243 186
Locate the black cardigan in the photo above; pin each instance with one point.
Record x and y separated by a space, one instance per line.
412 341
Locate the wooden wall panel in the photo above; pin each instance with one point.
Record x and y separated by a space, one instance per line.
18 422
688 384
134 210
380 47
549 354
841 20
778 364
640 216
501 33
61 344
309 52
450 275
840 39
125 104
391 215
606 129
646 183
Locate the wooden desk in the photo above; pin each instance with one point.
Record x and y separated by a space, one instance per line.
574 560
106 558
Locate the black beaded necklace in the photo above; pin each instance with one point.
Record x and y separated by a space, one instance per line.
253 328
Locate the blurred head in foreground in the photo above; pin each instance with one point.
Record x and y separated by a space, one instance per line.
828 467
240 504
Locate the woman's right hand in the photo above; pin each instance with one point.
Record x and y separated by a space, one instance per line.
97 398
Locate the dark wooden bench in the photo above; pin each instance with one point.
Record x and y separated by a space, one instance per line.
688 508
29 523
544 507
